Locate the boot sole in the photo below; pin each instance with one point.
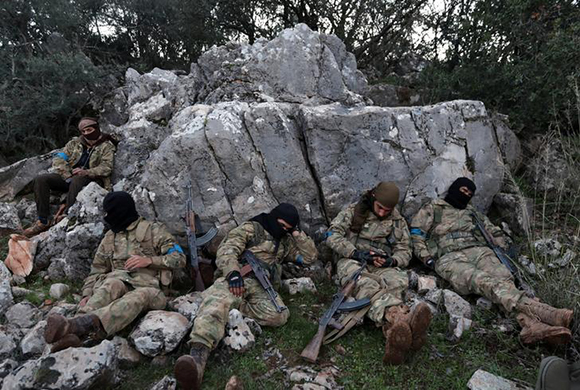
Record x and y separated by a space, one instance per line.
399 339
186 373
56 328
420 319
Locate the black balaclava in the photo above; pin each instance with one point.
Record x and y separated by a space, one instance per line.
269 221
457 198
120 209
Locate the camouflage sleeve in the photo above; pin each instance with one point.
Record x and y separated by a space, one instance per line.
495 231
101 265
232 247
61 163
171 254
336 236
302 249
105 167
402 248
420 226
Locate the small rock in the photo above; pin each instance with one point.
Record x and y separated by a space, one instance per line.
160 360
187 305
301 374
33 343
167 383
235 383
18 280
457 326
23 315
253 325
19 292
64 309
127 355
426 284
568 257
239 337
528 265
547 247
159 332
434 296
298 285
9 221
59 290
340 349
10 337
483 380
455 305
413 279
484 303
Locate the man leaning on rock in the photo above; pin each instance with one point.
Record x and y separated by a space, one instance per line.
272 237
446 239
84 159
360 232
133 262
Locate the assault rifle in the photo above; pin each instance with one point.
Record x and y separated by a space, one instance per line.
191 225
338 305
502 256
262 276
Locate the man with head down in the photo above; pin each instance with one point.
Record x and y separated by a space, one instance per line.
133 262
445 238
272 237
362 230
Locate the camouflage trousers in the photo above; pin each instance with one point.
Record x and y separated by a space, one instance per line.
386 285
117 304
212 317
478 271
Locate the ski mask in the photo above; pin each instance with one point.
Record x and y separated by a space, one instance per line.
456 198
90 122
120 209
269 221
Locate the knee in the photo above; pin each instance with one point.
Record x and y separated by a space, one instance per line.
41 181
278 319
114 285
155 298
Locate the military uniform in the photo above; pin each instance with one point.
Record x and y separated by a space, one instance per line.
385 286
449 235
209 325
118 296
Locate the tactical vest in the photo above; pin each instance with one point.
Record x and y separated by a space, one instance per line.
274 270
387 247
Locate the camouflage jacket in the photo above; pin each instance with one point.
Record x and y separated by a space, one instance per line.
439 228
141 238
100 160
388 236
250 235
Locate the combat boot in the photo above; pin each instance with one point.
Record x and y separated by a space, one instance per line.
37 228
546 313
189 368
397 334
419 320
58 326
535 331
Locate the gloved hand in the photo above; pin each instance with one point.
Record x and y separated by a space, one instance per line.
389 262
362 256
430 263
236 283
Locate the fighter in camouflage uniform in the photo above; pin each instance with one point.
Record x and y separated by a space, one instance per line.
273 238
446 239
131 265
374 226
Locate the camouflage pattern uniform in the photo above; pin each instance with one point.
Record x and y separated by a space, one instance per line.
209 326
449 235
387 236
118 296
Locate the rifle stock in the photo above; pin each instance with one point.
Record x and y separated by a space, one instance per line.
310 353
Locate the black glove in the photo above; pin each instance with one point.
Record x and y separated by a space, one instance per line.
430 263
389 262
362 256
235 279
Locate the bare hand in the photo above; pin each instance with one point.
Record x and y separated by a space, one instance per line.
83 301
378 261
137 261
295 233
80 172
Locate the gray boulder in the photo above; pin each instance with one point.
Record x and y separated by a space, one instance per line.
187 305
550 171
10 336
159 332
455 305
59 290
9 221
6 298
14 178
127 355
239 336
298 285
6 367
23 315
166 383
33 343
483 380
72 368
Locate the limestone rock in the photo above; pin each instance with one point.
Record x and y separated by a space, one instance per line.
484 303
234 383
516 210
19 292
127 355
315 271
455 305
434 296
483 380
566 259
33 343
388 95
187 305
159 332
547 247
72 368
299 286
26 210
166 383
14 178
10 336
238 337
457 326
23 315
59 290
549 170
425 284
9 221
6 367
21 251
6 298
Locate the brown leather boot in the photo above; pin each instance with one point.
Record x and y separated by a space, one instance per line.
534 331
398 335
58 326
419 320
68 341
35 229
189 368
546 313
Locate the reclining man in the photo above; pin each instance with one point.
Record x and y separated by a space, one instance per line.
131 265
272 237
374 226
84 159
445 238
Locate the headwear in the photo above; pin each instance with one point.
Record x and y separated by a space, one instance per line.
269 221
386 193
120 209
90 122
457 198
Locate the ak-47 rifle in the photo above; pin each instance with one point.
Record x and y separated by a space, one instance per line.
262 276
502 256
338 305
191 225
